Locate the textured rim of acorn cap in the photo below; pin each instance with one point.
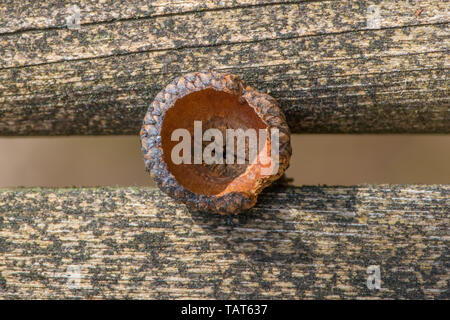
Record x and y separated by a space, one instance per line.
265 107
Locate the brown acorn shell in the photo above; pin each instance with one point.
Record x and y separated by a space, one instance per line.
264 106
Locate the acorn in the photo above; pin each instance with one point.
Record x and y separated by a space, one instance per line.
198 142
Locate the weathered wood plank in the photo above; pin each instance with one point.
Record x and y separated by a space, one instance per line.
318 59
23 15
218 27
382 91
305 242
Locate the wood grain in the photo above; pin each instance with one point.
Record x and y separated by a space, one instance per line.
303 242
329 68
23 16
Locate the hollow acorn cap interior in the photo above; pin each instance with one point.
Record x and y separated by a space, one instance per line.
219 101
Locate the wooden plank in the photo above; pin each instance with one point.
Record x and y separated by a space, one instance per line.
22 16
319 59
217 27
302 242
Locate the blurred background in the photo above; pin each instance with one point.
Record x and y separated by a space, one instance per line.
317 159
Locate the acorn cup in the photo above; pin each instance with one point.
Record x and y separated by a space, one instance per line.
199 145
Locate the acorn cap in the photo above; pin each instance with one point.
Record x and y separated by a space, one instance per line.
221 101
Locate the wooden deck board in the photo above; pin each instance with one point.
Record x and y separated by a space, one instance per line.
302 242
332 65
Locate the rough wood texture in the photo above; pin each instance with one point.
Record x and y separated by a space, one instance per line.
332 65
308 242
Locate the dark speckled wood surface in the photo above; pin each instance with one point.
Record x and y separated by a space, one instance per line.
303 242
333 66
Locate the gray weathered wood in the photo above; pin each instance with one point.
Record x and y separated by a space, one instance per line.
332 65
304 242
